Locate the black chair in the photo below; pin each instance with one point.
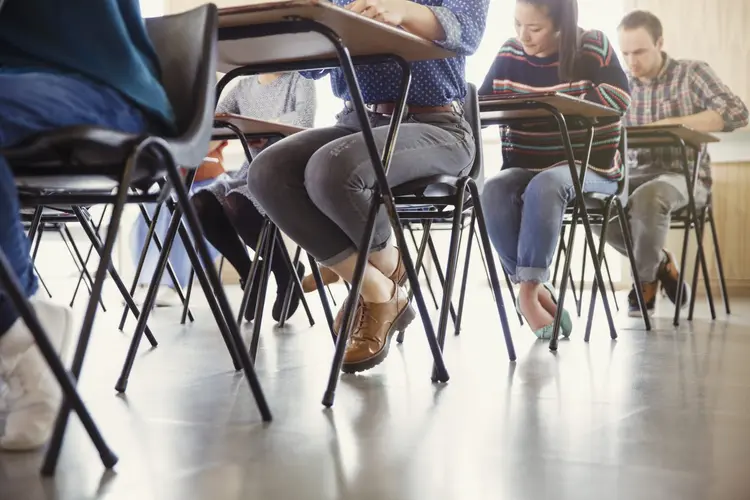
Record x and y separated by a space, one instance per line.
448 195
599 208
681 220
83 165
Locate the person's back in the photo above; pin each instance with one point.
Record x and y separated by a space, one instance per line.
104 40
61 64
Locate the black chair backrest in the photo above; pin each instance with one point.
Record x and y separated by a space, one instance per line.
623 185
471 113
186 47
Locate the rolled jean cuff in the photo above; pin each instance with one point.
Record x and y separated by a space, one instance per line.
338 258
345 254
535 274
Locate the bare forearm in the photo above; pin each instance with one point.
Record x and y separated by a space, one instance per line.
421 21
705 121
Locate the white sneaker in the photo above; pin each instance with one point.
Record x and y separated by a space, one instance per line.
35 395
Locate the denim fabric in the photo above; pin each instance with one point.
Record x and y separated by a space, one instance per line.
524 211
36 102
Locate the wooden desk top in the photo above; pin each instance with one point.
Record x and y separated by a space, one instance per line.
663 135
491 106
362 36
250 126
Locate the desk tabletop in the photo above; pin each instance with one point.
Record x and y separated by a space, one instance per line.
664 135
362 36
250 126
498 107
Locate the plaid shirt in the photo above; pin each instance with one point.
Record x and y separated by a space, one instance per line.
682 88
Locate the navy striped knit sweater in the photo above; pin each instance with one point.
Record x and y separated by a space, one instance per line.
600 79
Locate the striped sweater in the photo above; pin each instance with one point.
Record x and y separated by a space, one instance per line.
600 79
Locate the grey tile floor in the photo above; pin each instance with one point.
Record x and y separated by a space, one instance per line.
659 415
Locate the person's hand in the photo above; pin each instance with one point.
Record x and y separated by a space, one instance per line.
390 12
257 143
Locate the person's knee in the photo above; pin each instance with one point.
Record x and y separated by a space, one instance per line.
269 174
551 188
331 174
650 200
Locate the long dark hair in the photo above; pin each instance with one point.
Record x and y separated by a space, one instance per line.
564 15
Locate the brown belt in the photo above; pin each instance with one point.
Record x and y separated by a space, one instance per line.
388 108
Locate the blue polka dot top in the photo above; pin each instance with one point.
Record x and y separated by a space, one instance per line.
434 83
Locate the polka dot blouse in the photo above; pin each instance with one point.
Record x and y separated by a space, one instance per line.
434 83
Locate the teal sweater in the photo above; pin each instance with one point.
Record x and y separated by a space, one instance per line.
104 40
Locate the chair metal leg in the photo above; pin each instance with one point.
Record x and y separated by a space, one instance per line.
295 285
719 263
83 269
420 256
322 294
218 294
597 263
88 228
627 236
419 263
681 280
159 248
465 277
452 267
41 280
439 269
55 445
492 269
85 263
611 284
696 273
266 259
579 299
560 249
35 222
72 399
250 280
174 227
188 294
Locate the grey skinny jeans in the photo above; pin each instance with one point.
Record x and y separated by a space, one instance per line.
650 206
317 185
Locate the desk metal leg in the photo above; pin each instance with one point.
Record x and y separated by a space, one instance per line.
579 211
691 181
383 192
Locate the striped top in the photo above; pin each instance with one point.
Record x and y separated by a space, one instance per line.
600 79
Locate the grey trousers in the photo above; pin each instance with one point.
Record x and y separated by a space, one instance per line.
317 185
650 206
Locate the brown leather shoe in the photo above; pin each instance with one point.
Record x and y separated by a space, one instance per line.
371 338
327 275
398 276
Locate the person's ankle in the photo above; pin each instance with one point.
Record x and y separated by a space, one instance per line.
380 293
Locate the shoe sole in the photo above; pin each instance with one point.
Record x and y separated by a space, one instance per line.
637 314
400 324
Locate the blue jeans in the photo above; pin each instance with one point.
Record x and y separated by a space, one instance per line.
35 102
524 212
178 256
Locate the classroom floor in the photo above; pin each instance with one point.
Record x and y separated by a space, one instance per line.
659 415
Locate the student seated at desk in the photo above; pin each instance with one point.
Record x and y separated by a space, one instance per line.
317 185
87 63
526 202
226 208
669 92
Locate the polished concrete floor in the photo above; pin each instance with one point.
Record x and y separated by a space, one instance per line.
659 415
